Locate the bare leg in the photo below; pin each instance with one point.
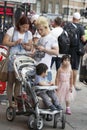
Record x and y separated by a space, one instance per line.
74 77
10 87
16 90
67 104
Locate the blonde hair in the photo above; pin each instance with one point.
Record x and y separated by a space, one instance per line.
42 21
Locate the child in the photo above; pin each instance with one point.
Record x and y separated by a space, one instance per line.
64 81
41 79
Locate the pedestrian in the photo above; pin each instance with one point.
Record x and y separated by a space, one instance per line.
17 38
48 43
83 67
78 37
33 21
41 80
56 32
64 81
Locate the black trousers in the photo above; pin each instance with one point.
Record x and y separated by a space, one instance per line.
57 61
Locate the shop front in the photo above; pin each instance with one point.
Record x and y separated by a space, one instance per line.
6 14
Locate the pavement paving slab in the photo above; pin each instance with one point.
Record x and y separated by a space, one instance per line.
76 121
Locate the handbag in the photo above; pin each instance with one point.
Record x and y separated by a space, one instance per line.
4 68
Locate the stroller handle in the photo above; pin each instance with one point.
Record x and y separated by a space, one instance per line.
53 87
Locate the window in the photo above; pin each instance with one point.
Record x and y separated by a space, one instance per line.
38 6
50 8
57 9
66 11
31 7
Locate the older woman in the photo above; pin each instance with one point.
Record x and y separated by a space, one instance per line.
17 38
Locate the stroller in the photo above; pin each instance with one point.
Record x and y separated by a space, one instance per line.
3 53
29 104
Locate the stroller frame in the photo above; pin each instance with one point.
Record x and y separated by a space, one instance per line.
24 67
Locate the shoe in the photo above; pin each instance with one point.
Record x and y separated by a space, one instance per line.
85 82
68 111
59 107
52 107
78 89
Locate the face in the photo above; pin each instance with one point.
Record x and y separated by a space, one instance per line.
66 62
24 28
53 24
44 74
42 30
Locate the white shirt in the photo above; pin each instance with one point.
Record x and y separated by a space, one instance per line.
56 32
49 42
20 36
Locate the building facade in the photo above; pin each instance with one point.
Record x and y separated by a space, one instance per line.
65 8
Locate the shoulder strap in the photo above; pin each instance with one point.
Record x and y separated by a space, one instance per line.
13 34
74 25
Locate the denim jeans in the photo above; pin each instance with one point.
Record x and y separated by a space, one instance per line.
49 76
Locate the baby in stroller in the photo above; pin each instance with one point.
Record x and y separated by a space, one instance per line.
41 79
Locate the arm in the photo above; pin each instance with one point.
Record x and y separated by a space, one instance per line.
71 81
44 83
50 47
52 51
7 41
57 77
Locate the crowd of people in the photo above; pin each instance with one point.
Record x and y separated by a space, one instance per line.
35 35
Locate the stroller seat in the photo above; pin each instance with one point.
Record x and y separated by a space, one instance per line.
41 103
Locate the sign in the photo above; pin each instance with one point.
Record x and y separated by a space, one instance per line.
9 11
22 1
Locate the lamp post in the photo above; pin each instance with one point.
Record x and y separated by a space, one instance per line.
67 9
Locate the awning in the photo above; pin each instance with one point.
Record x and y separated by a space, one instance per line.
21 1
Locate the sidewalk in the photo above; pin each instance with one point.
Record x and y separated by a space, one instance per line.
76 121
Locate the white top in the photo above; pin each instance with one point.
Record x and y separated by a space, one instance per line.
56 32
49 42
20 36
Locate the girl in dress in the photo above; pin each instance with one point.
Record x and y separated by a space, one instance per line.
64 81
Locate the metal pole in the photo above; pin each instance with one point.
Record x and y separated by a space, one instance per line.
67 9
5 4
25 9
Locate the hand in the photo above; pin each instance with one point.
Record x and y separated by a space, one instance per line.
51 83
40 48
19 41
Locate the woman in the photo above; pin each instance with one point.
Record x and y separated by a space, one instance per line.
17 38
47 43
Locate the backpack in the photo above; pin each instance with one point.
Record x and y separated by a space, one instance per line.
73 33
64 43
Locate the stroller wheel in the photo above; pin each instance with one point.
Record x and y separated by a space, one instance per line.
35 124
38 124
49 117
10 113
56 119
63 120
